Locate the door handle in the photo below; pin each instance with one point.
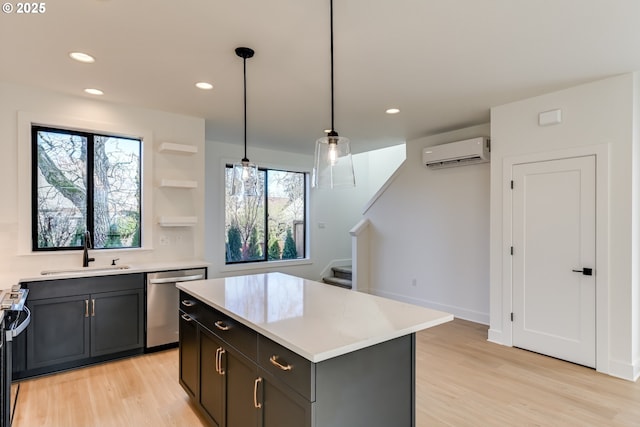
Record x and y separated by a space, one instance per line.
585 271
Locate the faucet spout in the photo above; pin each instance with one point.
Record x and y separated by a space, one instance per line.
87 244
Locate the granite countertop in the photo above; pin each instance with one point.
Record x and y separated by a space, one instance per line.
315 320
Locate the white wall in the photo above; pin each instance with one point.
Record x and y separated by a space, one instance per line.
18 103
332 213
595 114
431 228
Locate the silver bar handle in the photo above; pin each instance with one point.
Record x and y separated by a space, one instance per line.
176 279
22 326
186 317
256 404
86 308
218 359
188 303
93 307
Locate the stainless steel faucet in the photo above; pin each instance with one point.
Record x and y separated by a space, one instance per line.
87 244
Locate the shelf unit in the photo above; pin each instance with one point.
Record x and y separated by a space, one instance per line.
178 183
177 221
170 147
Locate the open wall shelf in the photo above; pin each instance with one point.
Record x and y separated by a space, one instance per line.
170 147
177 221
178 183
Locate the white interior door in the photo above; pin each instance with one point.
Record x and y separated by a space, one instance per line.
554 307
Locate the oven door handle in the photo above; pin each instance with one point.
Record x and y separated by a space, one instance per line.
23 325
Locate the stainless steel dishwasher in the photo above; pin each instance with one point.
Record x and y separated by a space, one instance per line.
162 305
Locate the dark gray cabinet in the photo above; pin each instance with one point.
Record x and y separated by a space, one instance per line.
239 378
241 391
281 407
213 375
59 331
188 354
81 321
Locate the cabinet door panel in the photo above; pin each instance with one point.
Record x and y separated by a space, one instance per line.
241 375
116 322
281 405
212 383
188 354
59 331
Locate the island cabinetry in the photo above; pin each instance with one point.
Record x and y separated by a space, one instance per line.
269 385
219 369
321 356
81 321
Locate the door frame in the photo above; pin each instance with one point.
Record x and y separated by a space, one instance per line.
601 153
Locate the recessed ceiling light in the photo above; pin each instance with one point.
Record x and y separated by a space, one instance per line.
204 85
93 91
82 57
392 111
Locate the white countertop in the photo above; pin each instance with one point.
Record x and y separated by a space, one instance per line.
315 320
103 271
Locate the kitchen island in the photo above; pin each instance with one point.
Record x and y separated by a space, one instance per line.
278 350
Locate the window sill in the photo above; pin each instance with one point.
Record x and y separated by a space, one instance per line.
265 265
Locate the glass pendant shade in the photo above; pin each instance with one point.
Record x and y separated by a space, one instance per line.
332 163
245 179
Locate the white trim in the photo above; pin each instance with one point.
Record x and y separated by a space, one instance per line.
601 153
26 119
384 187
458 312
360 227
265 265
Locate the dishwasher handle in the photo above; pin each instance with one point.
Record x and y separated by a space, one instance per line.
176 279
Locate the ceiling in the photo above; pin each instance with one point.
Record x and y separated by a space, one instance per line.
443 63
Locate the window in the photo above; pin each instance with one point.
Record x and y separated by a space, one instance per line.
271 226
84 182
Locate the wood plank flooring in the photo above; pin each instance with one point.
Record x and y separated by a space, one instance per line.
462 380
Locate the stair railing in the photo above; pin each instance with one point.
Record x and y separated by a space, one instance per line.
360 237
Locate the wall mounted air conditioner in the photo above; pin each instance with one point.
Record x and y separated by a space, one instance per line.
460 153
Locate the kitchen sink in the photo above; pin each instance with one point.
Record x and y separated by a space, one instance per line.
85 270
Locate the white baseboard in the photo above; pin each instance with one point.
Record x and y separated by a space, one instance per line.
459 312
624 370
497 337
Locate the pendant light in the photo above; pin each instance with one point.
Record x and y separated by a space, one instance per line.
245 173
332 163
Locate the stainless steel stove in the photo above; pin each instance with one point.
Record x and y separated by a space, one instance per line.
14 318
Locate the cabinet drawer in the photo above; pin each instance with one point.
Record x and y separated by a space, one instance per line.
232 332
287 366
189 305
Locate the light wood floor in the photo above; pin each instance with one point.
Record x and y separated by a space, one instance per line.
462 380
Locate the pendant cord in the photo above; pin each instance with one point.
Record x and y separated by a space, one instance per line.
331 32
244 61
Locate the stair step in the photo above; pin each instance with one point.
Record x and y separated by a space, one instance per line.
337 281
343 272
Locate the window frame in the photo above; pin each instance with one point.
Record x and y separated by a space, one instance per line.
265 255
90 221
